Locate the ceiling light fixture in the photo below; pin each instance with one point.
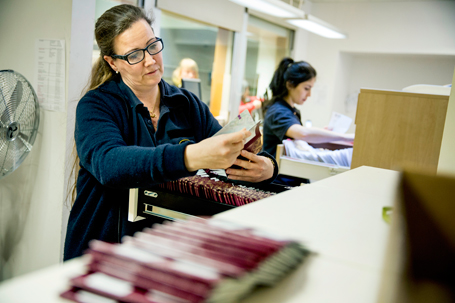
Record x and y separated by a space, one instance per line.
275 8
317 26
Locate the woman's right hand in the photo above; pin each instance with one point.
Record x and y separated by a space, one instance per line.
219 152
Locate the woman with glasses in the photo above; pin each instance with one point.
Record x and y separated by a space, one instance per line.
135 130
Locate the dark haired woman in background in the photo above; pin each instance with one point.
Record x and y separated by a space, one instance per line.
291 84
135 130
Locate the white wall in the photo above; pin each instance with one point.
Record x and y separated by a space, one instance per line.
80 63
31 197
388 71
446 164
406 31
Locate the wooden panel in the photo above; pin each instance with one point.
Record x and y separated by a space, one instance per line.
219 69
396 129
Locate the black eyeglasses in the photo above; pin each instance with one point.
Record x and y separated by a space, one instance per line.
138 55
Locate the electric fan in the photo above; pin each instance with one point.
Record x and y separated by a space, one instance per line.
19 120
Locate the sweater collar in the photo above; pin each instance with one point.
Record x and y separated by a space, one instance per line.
172 96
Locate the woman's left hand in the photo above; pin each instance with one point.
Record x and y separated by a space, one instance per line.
254 169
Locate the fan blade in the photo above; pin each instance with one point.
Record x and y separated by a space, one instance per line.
27 117
12 104
6 156
14 152
2 142
26 130
16 98
26 109
5 118
24 138
2 96
23 135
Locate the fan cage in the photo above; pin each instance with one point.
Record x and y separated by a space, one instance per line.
19 120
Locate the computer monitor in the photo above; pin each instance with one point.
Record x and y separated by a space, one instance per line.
193 85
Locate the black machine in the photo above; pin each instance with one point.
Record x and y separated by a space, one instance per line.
193 85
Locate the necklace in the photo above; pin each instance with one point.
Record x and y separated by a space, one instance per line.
152 113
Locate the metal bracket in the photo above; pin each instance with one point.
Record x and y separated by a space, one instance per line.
165 213
150 193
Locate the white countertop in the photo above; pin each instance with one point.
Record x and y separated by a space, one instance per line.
339 219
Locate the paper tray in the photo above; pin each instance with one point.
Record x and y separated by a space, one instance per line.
304 168
308 169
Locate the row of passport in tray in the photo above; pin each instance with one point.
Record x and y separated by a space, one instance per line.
188 261
211 185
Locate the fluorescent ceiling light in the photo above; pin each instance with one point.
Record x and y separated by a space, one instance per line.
319 27
275 8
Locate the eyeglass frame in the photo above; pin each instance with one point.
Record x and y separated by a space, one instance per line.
125 57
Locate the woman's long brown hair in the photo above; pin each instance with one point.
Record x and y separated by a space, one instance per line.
112 23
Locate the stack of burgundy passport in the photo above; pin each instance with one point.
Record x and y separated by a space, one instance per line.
209 185
185 262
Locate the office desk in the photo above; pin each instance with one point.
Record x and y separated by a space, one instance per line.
338 218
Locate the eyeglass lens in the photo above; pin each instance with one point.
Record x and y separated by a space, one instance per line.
152 49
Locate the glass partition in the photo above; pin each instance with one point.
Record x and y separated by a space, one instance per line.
185 38
267 44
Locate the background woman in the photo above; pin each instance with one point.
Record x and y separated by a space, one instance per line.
135 130
187 69
291 85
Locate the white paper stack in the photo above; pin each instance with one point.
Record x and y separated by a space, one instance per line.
299 149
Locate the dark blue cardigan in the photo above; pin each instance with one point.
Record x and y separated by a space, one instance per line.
280 116
119 149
